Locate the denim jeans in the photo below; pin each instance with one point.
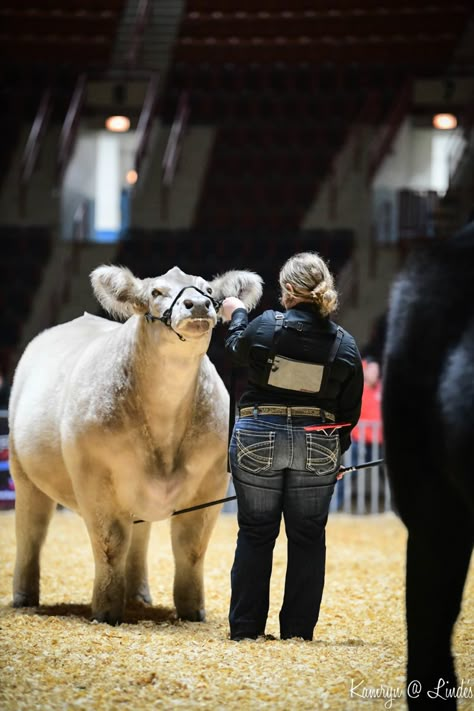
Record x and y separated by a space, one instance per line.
279 468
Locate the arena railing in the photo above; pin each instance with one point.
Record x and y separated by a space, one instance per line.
365 491
386 135
33 144
173 150
70 128
145 123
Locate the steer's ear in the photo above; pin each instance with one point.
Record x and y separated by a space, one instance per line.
247 286
119 292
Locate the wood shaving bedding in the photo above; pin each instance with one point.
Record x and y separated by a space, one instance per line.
54 658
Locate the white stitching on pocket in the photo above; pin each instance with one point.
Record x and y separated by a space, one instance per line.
255 456
322 453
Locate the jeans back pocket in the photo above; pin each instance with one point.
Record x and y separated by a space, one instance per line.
323 453
255 450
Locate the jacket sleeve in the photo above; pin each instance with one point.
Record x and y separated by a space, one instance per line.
241 336
350 401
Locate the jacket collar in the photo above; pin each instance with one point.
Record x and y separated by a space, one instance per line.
306 308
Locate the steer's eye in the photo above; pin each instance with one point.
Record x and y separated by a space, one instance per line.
155 293
209 290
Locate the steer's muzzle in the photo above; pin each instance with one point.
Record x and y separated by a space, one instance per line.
197 315
198 307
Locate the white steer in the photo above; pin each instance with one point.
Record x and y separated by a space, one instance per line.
122 422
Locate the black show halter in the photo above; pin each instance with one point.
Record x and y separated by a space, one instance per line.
166 318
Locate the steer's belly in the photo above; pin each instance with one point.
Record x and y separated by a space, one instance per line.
124 475
152 510
157 500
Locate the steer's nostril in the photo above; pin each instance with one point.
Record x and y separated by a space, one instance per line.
188 303
207 304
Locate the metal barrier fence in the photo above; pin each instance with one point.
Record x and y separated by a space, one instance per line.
365 491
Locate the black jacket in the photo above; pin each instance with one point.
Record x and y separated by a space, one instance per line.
250 345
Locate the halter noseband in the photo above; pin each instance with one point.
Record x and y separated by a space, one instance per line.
166 318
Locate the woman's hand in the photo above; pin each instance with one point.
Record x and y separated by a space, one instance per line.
229 305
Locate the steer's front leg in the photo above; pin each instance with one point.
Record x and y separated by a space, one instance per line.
110 539
190 533
138 590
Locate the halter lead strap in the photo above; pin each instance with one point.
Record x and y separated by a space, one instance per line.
166 318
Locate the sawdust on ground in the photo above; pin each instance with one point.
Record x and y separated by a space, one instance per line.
54 658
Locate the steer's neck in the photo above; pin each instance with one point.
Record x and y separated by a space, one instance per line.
167 372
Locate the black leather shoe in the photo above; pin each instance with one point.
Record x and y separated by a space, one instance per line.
295 635
239 636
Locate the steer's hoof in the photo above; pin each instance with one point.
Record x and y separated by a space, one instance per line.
110 618
193 616
138 594
22 599
140 599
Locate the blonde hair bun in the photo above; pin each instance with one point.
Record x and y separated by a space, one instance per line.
311 281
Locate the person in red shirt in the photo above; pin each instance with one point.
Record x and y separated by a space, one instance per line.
370 421
369 429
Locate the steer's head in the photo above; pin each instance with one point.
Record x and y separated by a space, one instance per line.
189 305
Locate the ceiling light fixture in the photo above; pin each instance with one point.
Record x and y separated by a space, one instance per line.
117 124
445 122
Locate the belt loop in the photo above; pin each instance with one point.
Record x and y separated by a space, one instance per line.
323 415
255 411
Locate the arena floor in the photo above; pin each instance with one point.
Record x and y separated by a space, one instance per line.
54 658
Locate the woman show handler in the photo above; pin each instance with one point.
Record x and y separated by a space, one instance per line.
303 371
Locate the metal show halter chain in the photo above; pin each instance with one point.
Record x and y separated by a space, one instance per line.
166 318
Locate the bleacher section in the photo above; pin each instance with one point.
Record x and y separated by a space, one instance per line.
391 31
209 252
285 82
279 129
77 33
282 84
24 252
